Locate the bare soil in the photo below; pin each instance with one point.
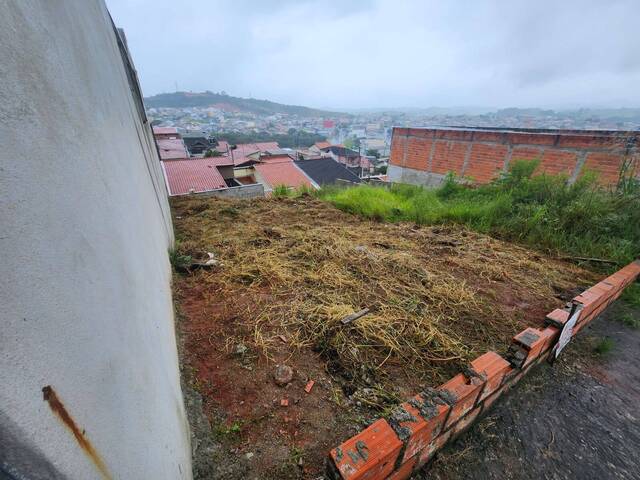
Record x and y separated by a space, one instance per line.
291 269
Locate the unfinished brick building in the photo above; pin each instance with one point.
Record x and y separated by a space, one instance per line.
424 156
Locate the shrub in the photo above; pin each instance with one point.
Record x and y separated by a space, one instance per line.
604 346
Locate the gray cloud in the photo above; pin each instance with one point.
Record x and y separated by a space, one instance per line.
368 53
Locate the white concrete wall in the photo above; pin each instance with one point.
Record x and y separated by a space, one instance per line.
411 176
85 298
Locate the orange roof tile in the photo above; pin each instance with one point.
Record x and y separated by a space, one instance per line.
194 174
282 173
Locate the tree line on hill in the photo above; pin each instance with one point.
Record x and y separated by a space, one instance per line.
292 139
251 105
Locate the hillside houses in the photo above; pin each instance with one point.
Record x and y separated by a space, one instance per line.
246 170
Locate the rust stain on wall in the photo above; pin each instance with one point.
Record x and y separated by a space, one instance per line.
59 409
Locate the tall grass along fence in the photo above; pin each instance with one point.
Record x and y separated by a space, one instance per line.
582 220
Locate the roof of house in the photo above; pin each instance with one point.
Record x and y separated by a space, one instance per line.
340 151
278 151
325 171
171 148
222 146
193 175
322 145
247 148
243 150
164 130
274 158
282 173
365 162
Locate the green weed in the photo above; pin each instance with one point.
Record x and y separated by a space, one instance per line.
545 211
631 295
228 430
604 346
178 260
281 191
630 320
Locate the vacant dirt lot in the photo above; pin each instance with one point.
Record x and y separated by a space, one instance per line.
288 271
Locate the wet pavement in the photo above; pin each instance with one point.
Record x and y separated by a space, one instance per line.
578 419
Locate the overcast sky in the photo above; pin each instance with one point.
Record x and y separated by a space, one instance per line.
390 53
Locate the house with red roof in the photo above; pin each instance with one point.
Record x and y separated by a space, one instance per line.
171 148
285 172
319 146
242 152
166 132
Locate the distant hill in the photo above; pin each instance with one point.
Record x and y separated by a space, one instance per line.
229 103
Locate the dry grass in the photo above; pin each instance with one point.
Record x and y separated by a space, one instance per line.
295 267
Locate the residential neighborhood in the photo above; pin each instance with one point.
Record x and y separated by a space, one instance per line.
196 163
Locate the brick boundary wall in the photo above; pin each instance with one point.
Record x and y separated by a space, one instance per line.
397 447
424 156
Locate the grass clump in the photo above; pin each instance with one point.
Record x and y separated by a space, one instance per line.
630 320
280 191
224 430
604 346
177 260
580 219
631 295
283 191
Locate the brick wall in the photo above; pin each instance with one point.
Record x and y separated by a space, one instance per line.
396 447
426 155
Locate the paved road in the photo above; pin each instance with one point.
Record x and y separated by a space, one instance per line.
579 419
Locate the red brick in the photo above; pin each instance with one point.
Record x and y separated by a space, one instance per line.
511 378
485 162
605 165
418 421
590 301
398 142
370 455
526 153
494 368
466 422
464 392
428 453
418 150
484 136
617 280
558 152
557 318
630 272
532 139
405 470
531 340
586 141
529 344
556 162
456 135
448 157
551 334
490 400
